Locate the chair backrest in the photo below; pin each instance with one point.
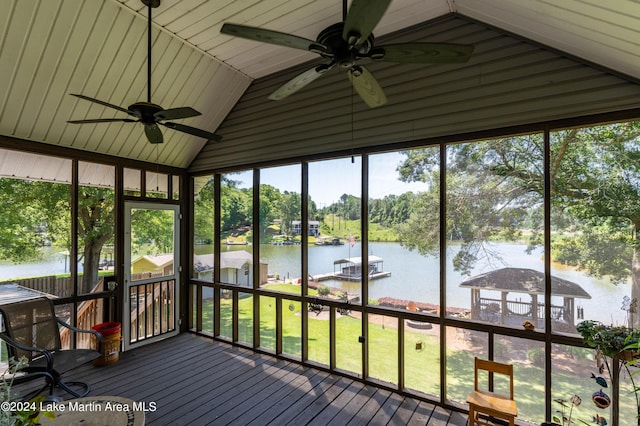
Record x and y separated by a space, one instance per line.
32 323
492 367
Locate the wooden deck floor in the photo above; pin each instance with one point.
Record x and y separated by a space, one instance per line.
197 381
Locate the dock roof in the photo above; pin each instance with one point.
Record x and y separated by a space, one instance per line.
523 280
358 260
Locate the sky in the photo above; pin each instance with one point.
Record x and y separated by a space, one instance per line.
329 179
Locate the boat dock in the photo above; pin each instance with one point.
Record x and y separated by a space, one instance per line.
350 269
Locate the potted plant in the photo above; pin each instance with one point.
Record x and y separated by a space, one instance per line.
612 341
619 344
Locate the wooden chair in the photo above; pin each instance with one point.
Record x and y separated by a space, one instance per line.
490 403
31 330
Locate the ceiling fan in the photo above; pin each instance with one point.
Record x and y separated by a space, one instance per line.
344 43
147 113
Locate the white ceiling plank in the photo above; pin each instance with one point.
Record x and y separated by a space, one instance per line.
578 29
50 48
13 50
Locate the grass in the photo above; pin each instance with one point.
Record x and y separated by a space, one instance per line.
421 355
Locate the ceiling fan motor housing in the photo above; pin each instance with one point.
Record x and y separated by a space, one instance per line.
146 112
339 49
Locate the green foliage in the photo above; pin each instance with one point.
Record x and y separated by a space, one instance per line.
203 208
290 209
38 209
392 210
153 228
495 191
41 214
600 250
30 412
235 207
611 340
323 290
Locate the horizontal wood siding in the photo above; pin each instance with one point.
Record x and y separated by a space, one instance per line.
509 81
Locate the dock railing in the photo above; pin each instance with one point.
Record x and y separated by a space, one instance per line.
492 308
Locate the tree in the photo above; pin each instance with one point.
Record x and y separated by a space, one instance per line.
270 201
290 211
235 206
480 201
96 208
152 228
495 188
42 215
203 213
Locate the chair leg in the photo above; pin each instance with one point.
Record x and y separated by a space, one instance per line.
49 382
472 417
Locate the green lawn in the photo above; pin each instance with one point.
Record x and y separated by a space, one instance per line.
422 355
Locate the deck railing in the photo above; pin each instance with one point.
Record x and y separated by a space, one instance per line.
152 309
90 312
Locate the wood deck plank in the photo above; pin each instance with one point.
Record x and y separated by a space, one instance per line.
341 406
243 401
370 408
422 414
323 400
405 411
196 380
439 417
211 394
388 409
270 406
458 419
286 416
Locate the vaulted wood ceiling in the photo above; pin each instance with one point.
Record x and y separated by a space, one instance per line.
50 48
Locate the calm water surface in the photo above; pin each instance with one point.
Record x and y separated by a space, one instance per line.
413 277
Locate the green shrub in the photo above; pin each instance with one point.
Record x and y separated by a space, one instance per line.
323 290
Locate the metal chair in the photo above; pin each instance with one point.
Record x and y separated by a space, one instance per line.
31 329
494 405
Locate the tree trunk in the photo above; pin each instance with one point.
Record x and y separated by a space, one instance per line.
90 267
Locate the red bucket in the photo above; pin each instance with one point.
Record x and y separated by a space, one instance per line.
110 342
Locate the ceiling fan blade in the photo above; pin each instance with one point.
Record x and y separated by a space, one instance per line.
176 113
300 81
362 18
103 103
193 131
269 36
103 120
367 86
424 53
153 133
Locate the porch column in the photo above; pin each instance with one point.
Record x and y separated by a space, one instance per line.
567 315
475 303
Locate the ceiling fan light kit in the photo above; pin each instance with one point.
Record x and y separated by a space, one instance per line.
150 115
347 42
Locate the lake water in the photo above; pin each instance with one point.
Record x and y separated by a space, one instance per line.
53 262
416 277
413 277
